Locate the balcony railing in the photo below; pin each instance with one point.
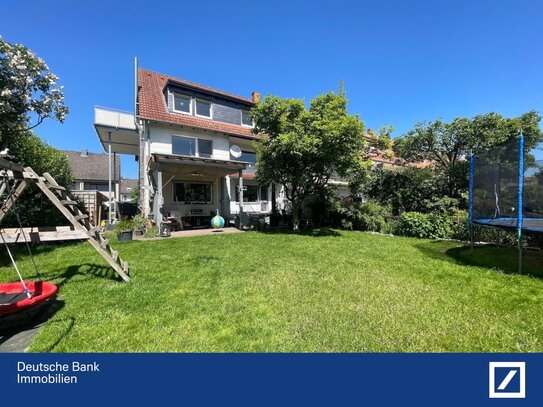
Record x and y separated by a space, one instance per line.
114 118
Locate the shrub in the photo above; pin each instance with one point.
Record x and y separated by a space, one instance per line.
428 226
124 226
408 190
139 222
369 216
152 232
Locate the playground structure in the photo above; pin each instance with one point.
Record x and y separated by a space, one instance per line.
14 179
506 191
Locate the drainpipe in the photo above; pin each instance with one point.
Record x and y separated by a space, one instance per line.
110 218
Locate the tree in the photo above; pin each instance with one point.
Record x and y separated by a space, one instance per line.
448 144
28 92
34 208
382 140
407 190
303 148
135 195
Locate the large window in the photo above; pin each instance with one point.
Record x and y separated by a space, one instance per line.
183 146
248 157
245 119
182 103
192 192
192 147
203 108
253 193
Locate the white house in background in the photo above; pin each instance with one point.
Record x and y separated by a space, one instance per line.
192 143
128 186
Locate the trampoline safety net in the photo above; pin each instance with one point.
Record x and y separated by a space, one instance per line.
496 184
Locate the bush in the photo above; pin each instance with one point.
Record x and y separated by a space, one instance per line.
426 226
35 209
124 226
408 190
484 234
152 232
368 216
139 222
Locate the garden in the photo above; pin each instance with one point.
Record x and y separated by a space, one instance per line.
323 290
384 268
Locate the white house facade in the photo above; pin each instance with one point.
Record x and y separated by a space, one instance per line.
194 146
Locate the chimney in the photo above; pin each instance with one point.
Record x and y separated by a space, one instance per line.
255 96
84 152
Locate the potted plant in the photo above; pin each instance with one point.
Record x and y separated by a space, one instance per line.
139 225
124 230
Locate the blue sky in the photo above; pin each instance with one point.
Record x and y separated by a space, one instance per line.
401 61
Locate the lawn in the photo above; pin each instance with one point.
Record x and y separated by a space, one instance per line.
322 292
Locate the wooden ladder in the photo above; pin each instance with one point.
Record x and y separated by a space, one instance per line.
68 207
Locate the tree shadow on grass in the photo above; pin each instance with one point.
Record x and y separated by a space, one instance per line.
316 232
504 259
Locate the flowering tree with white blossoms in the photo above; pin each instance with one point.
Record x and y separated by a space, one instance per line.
28 92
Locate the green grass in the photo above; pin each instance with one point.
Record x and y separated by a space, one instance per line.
326 292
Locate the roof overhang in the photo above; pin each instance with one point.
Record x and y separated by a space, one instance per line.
210 165
118 128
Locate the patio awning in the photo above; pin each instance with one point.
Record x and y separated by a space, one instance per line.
172 162
120 126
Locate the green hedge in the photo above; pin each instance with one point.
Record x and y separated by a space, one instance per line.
422 225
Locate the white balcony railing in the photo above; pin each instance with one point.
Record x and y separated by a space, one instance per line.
114 118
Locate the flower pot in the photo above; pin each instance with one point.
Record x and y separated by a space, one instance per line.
139 232
124 236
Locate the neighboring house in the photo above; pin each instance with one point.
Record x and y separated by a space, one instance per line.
128 187
91 179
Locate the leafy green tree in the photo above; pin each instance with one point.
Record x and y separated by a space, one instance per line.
408 190
135 194
303 148
382 139
28 92
34 208
448 144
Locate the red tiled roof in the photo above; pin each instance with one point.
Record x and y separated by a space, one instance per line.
152 104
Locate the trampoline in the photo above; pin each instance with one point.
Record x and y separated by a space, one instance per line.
506 191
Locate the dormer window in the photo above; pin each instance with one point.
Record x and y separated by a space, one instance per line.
245 119
203 108
182 103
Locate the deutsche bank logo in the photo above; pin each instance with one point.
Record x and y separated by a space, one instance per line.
507 380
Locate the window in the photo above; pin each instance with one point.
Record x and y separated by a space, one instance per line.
192 192
183 146
264 193
248 157
75 186
250 193
182 103
203 108
190 145
205 148
245 119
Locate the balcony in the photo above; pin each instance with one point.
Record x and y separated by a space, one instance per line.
116 128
